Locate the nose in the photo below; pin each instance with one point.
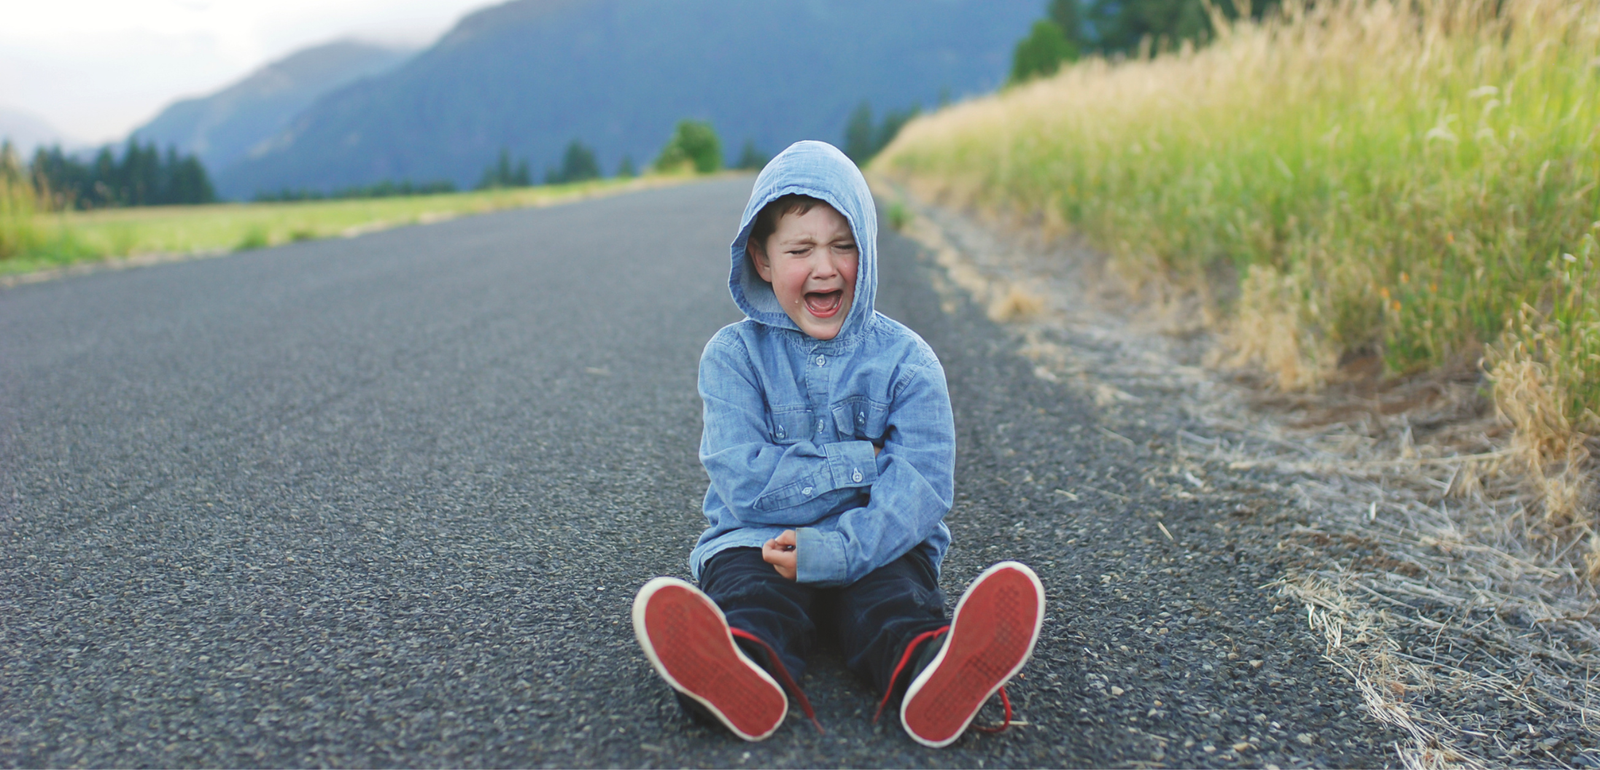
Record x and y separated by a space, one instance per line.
826 266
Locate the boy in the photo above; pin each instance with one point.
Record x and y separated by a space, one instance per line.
830 446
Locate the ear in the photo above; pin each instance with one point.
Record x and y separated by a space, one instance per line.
758 258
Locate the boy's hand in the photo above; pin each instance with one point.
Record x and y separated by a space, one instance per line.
779 552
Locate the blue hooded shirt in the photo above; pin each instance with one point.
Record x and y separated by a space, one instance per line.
791 421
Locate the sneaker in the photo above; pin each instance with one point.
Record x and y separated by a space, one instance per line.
686 637
995 627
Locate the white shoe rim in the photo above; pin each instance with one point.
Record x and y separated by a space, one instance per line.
922 678
642 599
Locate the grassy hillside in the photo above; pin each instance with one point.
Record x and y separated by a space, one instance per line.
1411 179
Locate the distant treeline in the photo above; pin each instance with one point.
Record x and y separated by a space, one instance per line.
694 146
1113 28
384 189
143 176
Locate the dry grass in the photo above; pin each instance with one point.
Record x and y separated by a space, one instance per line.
1412 183
1420 567
19 233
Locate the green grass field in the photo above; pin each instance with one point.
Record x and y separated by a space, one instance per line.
45 240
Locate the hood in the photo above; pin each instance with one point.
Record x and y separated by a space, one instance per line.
819 170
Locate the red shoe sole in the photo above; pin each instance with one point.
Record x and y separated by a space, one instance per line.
995 627
687 640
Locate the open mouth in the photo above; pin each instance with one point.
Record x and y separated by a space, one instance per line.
824 304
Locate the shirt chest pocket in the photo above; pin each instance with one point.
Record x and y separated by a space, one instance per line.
862 418
787 426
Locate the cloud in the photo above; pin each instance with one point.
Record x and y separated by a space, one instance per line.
97 69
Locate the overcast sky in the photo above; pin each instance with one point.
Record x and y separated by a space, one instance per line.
95 69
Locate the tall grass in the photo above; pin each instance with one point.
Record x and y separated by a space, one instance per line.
1411 178
18 233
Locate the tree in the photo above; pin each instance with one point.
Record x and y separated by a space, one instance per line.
625 169
1068 15
858 135
577 165
1041 53
750 158
694 143
863 140
502 174
190 183
144 176
1120 25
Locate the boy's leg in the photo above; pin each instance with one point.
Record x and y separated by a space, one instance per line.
759 601
884 612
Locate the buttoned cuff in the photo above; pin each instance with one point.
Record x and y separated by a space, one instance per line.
851 464
819 557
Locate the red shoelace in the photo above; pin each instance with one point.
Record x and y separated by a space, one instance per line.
783 675
906 658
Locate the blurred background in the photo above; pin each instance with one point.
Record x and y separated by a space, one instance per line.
254 100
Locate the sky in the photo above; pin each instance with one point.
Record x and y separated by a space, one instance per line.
96 69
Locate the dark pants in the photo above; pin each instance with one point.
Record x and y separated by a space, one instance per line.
872 619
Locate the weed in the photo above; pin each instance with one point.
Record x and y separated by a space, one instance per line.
898 215
254 238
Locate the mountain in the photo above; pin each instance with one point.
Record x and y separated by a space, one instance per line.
533 75
221 128
26 131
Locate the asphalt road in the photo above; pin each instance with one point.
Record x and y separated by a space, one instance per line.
385 501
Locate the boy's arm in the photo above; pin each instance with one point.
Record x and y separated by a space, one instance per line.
762 482
915 488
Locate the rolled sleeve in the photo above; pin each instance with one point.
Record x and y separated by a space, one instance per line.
819 557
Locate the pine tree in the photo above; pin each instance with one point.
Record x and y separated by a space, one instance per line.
858 134
750 158
579 164
1068 15
1041 53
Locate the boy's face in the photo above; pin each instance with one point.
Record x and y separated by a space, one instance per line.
810 259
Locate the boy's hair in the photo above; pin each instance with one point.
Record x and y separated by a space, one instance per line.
767 219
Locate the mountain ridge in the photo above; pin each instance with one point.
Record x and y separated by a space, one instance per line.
222 127
530 76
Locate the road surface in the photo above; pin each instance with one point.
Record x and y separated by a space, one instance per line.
384 501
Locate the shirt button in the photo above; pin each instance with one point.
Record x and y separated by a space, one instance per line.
807 491
861 418
857 477
821 360
819 426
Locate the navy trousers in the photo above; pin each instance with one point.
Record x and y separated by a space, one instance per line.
871 619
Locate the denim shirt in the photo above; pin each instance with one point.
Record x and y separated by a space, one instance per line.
791 422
